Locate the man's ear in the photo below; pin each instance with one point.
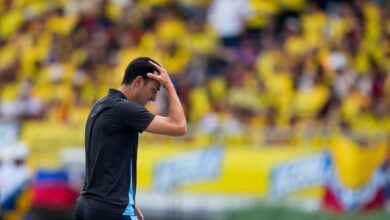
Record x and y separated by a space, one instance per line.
138 81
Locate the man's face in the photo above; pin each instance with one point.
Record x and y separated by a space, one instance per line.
148 91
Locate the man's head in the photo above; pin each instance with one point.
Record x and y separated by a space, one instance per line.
139 67
136 85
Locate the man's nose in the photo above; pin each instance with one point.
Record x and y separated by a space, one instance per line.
154 98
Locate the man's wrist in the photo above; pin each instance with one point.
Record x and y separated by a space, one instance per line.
169 86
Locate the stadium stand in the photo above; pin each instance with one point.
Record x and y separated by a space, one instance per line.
265 73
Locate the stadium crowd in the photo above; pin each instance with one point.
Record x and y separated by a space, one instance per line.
239 66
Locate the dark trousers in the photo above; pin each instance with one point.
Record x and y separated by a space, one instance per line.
83 213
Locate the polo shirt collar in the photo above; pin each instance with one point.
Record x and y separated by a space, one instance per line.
114 92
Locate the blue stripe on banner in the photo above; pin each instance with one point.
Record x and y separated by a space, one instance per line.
129 211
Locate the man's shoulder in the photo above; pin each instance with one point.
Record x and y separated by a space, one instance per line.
109 101
127 105
105 103
126 102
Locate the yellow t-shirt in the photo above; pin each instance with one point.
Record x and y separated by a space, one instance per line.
170 30
372 22
313 26
294 5
217 88
8 54
352 104
10 21
280 85
262 9
308 103
175 62
295 45
114 11
199 103
203 42
62 25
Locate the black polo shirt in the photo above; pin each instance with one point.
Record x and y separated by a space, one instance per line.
111 144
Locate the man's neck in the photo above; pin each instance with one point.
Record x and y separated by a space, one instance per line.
125 90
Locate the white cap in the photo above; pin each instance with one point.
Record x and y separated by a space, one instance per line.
338 61
18 151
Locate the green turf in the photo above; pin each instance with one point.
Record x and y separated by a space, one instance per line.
274 212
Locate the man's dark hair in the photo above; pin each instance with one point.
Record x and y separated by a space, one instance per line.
139 67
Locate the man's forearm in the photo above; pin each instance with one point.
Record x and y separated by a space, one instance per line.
175 123
176 112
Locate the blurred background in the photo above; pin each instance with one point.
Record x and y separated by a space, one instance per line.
288 105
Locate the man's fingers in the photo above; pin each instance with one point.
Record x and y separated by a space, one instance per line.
153 76
155 65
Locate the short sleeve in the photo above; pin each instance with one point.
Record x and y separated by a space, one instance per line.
134 115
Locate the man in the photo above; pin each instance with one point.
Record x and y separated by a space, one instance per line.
111 141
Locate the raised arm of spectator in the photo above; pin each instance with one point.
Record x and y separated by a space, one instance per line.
175 123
